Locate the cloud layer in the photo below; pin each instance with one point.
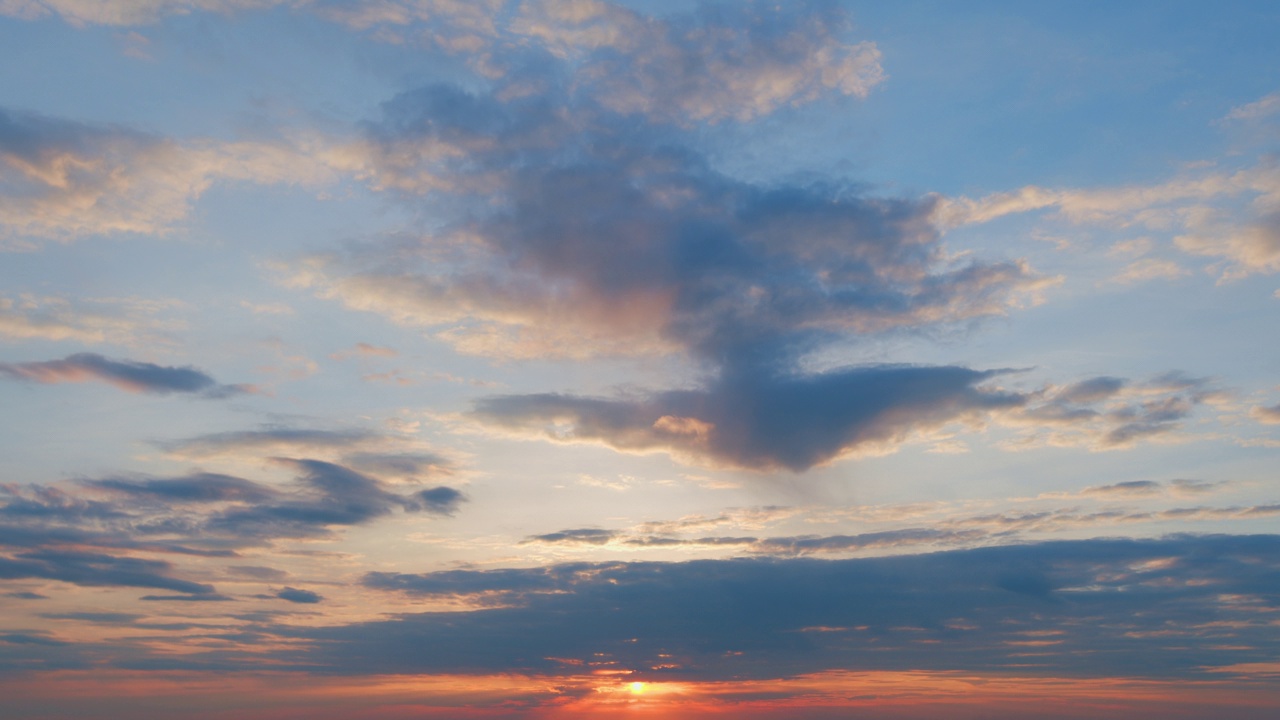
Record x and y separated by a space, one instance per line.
1079 608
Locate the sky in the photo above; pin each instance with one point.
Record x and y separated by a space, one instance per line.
587 359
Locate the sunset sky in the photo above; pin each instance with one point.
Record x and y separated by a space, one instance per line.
657 359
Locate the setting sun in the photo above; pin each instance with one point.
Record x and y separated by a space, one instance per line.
638 687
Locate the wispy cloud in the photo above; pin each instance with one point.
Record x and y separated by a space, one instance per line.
67 179
130 375
121 321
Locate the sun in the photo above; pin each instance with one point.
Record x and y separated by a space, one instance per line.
637 688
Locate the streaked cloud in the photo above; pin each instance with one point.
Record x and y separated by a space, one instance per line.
763 422
130 375
63 179
1228 215
974 609
1109 413
1265 107
120 321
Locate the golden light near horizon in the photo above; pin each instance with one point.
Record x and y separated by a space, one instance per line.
638 688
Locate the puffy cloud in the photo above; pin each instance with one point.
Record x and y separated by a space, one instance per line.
133 376
440 500
619 245
294 595
574 220
730 61
763 422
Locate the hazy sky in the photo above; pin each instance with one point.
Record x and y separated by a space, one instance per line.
573 359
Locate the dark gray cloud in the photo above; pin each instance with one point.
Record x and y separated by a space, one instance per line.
294 595
96 570
99 618
30 638
573 218
761 421
440 500
140 377
1083 607
197 488
1105 413
577 536
328 495
196 597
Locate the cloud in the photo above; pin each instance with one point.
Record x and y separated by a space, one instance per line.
330 495
576 221
1268 415
404 466
1106 413
130 375
125 12
89 321
633 250
363 350
441 500
1266 107
205 514
578 536
197 488
763 422
96 570
274 440
1084 607
1150 269
732 61
294 595
1132 488
62 179
1231 216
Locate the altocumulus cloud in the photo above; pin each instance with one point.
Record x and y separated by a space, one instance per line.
133 376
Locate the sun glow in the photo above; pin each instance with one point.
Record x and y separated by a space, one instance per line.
638 688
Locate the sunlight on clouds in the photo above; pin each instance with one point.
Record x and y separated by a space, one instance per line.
67 179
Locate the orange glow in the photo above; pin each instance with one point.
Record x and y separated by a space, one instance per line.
871 695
